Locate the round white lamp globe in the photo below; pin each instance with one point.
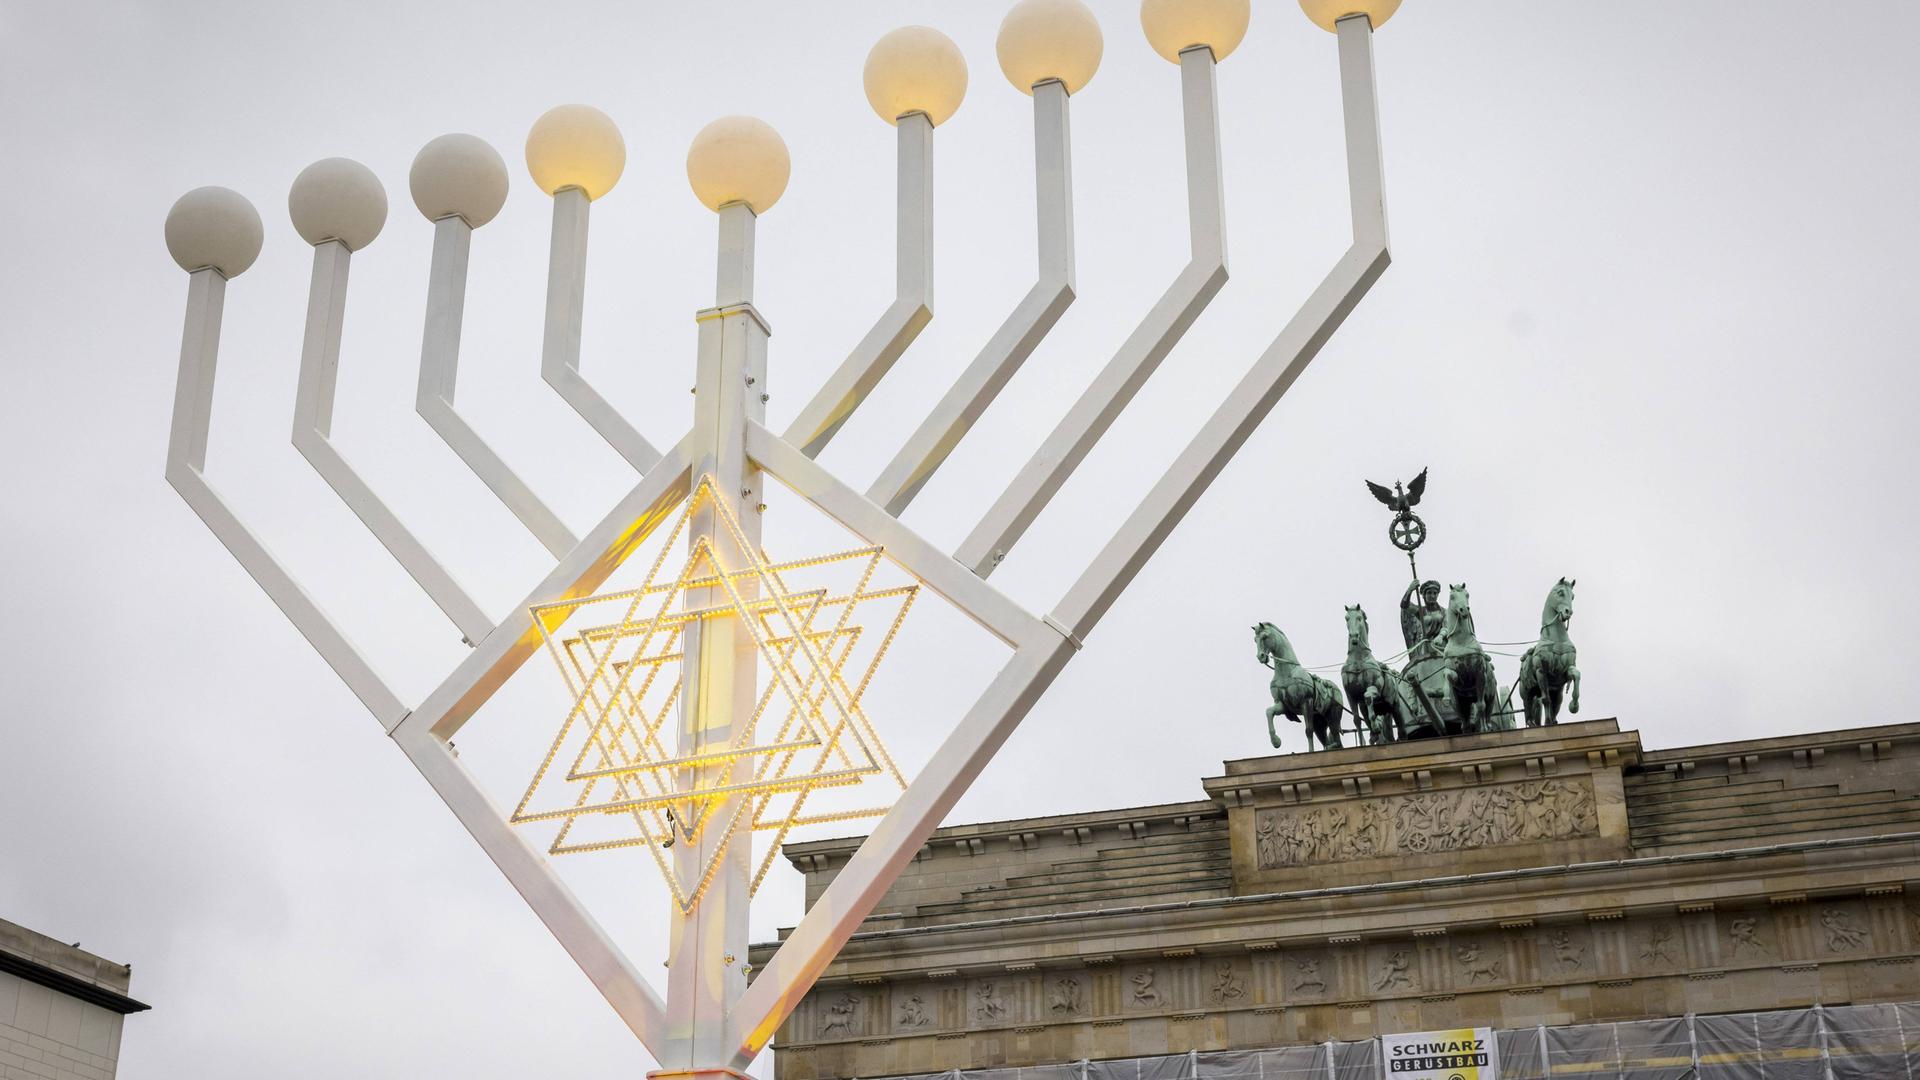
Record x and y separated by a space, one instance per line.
1325 13
214 226
915 69
337 199
738 159
576 146
1173 26
1049 39
459 174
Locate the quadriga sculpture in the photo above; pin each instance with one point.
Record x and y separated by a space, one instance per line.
1547 667
1303 696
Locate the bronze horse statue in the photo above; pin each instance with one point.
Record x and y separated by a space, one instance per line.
1297 692
1385 705
1547 667
1470 677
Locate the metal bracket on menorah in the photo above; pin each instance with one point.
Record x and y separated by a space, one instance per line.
713 1020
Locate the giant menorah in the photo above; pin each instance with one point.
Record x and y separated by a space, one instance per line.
766 707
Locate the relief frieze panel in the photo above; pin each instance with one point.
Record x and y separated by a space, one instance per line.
1425 821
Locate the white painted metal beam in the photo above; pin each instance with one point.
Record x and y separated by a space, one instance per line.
1275 371
578 573
312 427
439 368
982 603
532 876
928 447
896 839
560 346
707 946
912 307
186 465
1140 355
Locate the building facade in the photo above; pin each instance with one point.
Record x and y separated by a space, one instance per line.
61 1009
1516 880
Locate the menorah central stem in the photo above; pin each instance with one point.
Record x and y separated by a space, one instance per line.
719 682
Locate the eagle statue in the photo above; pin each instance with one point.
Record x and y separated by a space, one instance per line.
1400 501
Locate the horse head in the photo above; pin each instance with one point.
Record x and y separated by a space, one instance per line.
1270 642
1356 627
1458 605
1459 613
1558 611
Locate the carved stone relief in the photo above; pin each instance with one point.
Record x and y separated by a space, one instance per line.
1393 971
988 1003
1478 964
1744 934
1843 931
1065 996
1661 945
1569 952
839 1019
912 1013
1227 985
1142 993
1306 974
1427 821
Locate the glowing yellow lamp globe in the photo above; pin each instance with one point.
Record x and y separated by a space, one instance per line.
1173 26
739 159
1049 39
1325 13
576 146
915 69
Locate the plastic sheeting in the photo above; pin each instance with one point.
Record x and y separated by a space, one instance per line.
1851 1042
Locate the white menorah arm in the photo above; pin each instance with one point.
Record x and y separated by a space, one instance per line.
312 436
186 464
560 347
532 875
1275 371
927 448
1137 358
439 369
912 307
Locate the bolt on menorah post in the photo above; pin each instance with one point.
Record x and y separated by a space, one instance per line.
694 773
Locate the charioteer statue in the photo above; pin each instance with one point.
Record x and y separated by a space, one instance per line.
1448 685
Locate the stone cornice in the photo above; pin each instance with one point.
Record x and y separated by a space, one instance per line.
1546 893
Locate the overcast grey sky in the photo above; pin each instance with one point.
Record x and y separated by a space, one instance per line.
1651 322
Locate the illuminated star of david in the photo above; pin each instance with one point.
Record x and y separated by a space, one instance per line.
632 786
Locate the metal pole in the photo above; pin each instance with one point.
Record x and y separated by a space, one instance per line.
707 962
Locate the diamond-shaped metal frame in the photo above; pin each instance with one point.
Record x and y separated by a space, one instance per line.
623 732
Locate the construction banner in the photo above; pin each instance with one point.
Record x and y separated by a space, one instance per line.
1459 1054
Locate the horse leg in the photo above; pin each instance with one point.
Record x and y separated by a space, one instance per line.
1273 735
1359 706
1574 705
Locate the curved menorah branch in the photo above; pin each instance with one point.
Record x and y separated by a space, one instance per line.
912 308
560 347
1138 357
927 448
312 427
186 465
1275 371
439 368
